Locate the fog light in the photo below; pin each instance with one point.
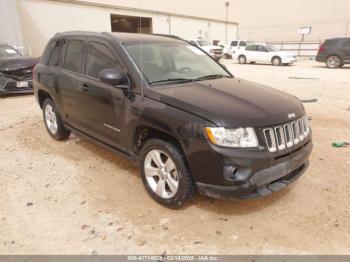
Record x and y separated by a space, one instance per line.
236 176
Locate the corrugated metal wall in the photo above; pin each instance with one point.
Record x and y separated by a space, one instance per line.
10 25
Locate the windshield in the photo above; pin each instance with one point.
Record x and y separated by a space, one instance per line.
272 48
203 43
7 51
174 61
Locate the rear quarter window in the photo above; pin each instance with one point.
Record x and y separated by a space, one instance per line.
49 52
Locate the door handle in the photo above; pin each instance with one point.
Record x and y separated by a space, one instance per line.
85 88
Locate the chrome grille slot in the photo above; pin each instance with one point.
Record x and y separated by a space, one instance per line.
301 129
270 139
295 132
289 135
285 136
280 139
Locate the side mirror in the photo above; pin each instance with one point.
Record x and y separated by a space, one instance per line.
111 76
224 66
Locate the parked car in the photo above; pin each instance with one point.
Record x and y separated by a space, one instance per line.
15 71
171 108
334 52
213 50
265 54
236 45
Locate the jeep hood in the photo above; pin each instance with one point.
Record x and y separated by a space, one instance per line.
16 63
231 102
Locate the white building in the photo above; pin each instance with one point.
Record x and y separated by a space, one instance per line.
34 22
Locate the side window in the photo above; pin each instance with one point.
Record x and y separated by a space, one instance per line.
54 55
251 48
261 48
234 43
242 43
74 55
99 57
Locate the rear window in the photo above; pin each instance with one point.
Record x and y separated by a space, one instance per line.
74 55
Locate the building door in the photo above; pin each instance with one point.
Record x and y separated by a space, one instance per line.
131 24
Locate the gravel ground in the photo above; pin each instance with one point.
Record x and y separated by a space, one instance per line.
74 197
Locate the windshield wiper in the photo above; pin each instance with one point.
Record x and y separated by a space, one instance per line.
172 80
214 76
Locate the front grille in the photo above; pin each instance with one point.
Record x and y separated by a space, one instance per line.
216 51
20 74
285 136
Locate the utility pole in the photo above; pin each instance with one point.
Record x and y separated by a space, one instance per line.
227 4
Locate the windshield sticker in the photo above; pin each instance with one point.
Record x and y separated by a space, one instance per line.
10 51
195 50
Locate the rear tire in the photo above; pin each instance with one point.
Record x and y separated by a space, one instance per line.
242 59
53 121
333 61
165 174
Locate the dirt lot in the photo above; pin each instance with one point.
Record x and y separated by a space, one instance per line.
74 197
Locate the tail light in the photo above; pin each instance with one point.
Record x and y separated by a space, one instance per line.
321 49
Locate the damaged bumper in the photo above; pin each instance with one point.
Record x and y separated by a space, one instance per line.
10 86
16 82
263 181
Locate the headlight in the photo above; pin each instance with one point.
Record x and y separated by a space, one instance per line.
238 137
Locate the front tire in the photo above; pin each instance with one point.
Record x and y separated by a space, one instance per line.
276 61
333 61
165 174
53 121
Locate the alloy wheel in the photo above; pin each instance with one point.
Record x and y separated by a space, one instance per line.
51 119
333 61
161 173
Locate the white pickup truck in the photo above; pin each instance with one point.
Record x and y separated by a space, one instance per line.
236 45
214 51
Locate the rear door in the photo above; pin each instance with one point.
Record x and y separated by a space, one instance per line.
251 53
102 104
69 75
346 50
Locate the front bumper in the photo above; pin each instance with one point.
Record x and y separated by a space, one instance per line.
216 56
221 172
264 181
10 86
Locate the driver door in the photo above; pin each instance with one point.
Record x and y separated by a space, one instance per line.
102 104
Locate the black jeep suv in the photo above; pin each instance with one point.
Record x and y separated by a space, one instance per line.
173 109
334 52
